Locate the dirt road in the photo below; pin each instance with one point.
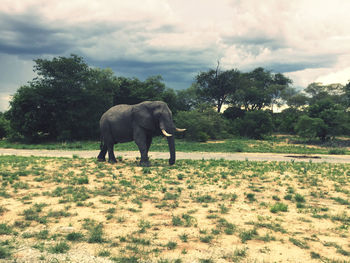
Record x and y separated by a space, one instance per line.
193 155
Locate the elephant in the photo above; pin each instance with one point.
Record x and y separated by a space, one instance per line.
139 123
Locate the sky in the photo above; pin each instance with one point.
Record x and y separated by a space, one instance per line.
307 40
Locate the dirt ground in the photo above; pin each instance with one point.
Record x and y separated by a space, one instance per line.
195 211
270 157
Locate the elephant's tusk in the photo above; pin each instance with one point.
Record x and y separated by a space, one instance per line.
166 134
180 130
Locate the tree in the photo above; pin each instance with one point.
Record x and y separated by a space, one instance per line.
64 102
202 124
297 100
318 91
286 120
310 128
347 94
333 116
133 91
255 124
187 99
216 86
4 126
260 88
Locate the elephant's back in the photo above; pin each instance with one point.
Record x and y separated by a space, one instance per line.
118 120
117 112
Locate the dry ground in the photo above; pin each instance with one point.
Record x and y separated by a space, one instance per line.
78 210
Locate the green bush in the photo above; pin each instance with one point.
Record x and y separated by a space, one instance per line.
286 120
4 126
255 124
202 125
233 113
311 128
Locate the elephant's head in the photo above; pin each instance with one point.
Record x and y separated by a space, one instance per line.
156 117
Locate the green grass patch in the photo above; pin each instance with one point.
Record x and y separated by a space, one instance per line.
273 144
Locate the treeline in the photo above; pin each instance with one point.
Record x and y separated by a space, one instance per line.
67 98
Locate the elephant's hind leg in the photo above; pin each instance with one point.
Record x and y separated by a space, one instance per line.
102 155
111 157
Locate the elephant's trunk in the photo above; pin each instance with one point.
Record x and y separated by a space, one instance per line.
171 143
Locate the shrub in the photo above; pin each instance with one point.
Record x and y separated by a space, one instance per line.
4 252
4 126
74 236
279 207
61 247
310 128
286 120
96 234
233 113
202 124
255 124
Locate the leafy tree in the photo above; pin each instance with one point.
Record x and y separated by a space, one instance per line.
216 86
187 99
202 124
286 120
333 116
318 91
310 128
63 102
255 124
133 91
260 88
347 95
4 126
233 113
298 100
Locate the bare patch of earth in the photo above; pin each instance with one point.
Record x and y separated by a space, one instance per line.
185 155
212 211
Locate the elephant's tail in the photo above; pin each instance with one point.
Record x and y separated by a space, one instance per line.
101 142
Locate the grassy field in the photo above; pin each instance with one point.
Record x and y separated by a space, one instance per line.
274 144
79 210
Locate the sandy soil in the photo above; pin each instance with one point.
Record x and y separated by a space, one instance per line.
193 204
320 158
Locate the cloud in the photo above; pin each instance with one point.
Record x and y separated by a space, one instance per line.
27 34
307 40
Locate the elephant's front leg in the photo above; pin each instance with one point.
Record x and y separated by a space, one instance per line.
140 139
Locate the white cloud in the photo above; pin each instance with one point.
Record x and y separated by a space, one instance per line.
4 101
341 76
307 40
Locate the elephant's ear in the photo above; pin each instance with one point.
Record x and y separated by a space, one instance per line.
143 117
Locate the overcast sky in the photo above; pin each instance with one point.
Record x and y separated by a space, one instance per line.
307 40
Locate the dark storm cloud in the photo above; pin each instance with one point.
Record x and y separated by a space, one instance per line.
298 66
29 36
255 41
26 34
176 74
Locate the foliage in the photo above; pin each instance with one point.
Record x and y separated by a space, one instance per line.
255 124
233 113
318 91
202 124
310 128
4 126
133 91
67 98
285 121
260 88
61 103
215 86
